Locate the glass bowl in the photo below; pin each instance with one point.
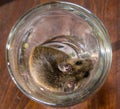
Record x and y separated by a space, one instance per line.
58 54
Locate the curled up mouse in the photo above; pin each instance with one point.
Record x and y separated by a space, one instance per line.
56 71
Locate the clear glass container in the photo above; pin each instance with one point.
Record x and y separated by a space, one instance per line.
58 54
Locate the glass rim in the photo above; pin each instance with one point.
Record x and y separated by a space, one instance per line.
11 36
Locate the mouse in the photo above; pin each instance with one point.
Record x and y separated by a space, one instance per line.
57 71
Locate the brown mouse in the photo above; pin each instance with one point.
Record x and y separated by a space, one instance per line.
55 70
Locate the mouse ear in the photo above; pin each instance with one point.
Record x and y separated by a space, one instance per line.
65 67
69 86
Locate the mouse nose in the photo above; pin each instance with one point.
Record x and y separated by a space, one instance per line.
90 63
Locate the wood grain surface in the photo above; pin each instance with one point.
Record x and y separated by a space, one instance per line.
108 97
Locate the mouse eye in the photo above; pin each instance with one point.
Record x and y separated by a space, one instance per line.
78 62
86 74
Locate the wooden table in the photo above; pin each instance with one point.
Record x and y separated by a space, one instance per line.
108 97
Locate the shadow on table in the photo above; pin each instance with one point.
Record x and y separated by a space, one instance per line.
2 2
116 45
